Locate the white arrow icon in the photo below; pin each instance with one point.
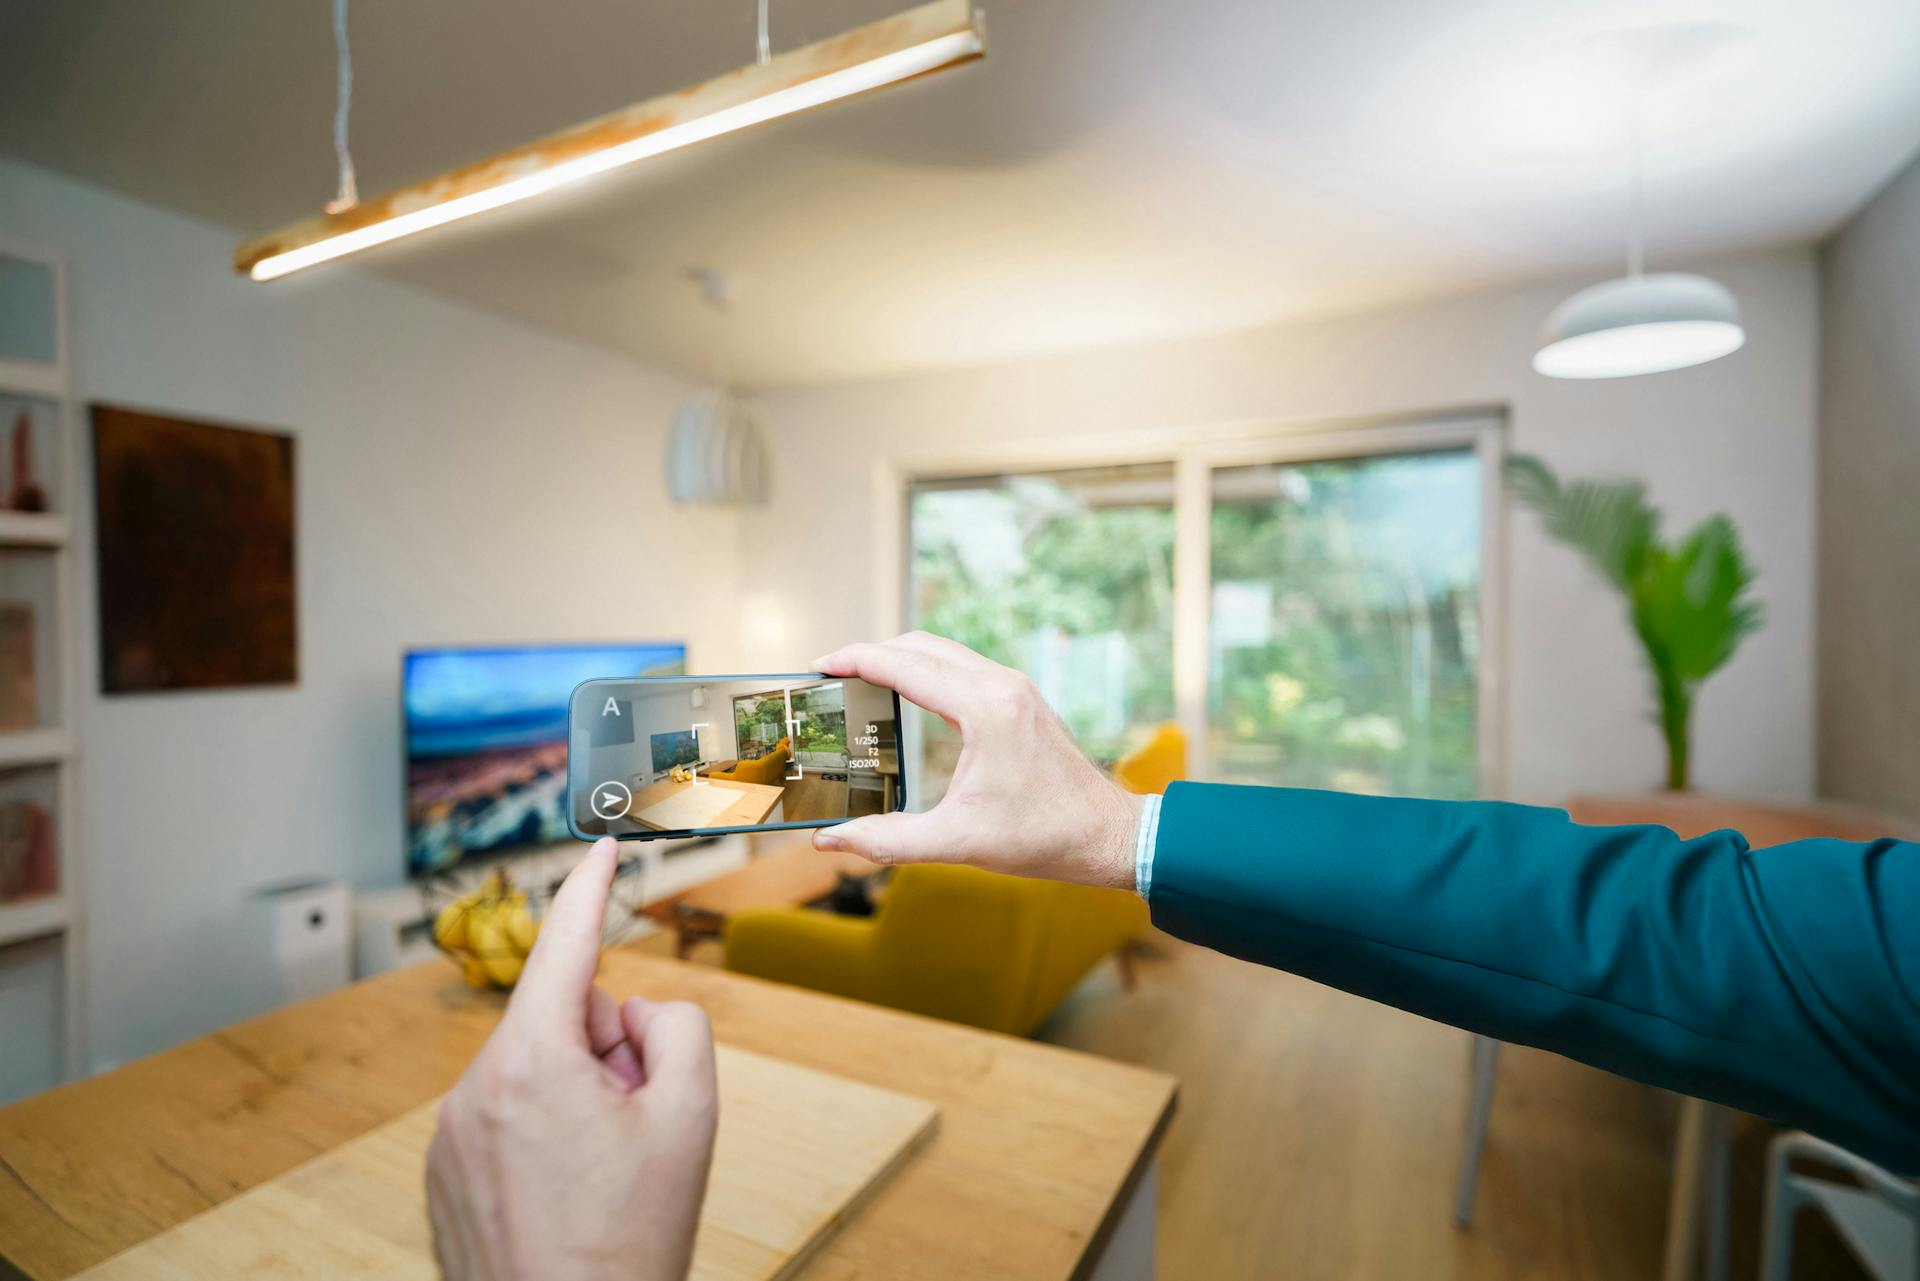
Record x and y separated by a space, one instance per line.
610 800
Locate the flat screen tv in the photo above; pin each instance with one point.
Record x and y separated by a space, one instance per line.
486 742
675 747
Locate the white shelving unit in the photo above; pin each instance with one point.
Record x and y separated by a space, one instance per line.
33 918
42 953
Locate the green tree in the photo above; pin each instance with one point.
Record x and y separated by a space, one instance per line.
1361 674
1360 671
1080 571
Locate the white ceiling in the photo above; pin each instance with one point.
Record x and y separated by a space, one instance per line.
1113 172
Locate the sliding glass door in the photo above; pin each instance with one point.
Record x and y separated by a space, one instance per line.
1311 610
1067 575
1344 629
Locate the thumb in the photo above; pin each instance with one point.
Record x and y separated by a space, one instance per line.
884 838
675 1041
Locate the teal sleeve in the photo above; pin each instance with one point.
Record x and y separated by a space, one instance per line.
1783 981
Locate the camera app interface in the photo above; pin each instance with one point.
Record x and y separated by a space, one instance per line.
696 755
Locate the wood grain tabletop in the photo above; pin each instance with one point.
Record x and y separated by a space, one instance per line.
1036 1150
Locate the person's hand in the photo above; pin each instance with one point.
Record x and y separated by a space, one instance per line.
576 1145
1024 799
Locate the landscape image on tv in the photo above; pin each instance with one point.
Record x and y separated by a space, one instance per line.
676 747
486 742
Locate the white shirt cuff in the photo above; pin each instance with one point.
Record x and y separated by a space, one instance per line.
1148 834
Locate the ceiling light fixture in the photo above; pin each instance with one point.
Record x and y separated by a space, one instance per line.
1639 323
927 38
717 450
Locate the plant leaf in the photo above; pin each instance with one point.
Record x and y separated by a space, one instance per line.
1610 522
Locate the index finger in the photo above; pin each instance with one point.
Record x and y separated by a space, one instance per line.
554 985
923 679
943 647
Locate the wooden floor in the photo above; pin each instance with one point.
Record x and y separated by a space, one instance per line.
1317 1137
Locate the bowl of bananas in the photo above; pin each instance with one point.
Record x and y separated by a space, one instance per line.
489 930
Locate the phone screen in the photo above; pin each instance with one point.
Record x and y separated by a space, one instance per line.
671 756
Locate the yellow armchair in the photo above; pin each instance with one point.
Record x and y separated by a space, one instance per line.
1161 760
769 769
997 952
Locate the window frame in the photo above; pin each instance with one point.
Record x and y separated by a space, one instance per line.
1195 454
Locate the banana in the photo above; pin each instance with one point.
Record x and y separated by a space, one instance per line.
520 928
450 926
490 930
503 968
487 932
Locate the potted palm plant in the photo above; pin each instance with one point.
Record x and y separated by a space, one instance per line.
1688 601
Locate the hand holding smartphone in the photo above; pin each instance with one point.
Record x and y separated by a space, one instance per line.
678 756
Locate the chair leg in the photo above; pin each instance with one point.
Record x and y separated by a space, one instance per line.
1782 1205
1776 1240
1719 1185
1486 1059
1688 1195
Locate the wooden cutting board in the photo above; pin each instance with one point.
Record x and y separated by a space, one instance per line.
796 1153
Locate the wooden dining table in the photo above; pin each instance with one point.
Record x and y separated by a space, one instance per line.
1042 1165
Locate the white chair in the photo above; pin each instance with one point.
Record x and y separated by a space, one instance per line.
1698 1213
1879 1218
1486 1063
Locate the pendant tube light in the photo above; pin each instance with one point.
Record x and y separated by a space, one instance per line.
932 36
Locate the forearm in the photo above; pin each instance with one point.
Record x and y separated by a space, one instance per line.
1781 981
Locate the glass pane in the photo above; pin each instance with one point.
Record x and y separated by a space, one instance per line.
759 723
1345 625
822 713
26 311
1067 575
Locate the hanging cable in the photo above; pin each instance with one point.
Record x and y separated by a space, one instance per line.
766 46
348 194
716 289
1636 186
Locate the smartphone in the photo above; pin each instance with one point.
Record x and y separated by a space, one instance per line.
654 757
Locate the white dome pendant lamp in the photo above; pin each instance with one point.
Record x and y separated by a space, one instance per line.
1639 323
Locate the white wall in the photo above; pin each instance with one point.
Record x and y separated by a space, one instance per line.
866 705
461 478
1869 521
672 711
465 478
1736 435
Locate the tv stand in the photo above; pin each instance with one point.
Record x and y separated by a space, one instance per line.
393 925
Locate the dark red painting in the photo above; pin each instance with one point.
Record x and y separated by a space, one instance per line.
194 529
